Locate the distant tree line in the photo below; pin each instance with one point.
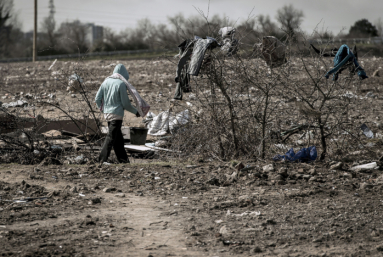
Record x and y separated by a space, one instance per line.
71 37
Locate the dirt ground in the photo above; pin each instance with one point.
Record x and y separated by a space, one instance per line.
184 207
168 209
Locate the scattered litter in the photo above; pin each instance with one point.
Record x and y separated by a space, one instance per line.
18 103
19 201
268 168
77 160
349 94
246 213
165 122
81 195
371 95
303 155
366 131
192 166
282 146
367 166
54 62
52 133
247 168
74 83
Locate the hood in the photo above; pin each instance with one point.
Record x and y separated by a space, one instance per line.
120 68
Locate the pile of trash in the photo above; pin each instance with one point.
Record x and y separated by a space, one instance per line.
165 122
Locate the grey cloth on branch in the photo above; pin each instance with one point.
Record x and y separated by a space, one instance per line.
183 85
226 32
195 51
184 59
229 46
192 52
200 47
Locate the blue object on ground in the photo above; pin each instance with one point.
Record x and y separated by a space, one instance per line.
304 155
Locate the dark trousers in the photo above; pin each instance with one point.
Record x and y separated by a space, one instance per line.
116 140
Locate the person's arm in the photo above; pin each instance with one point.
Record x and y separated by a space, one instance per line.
99 97
125 99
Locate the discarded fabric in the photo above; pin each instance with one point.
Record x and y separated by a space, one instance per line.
303 155
166 121
343 57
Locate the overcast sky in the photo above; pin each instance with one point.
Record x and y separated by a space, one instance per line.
120 14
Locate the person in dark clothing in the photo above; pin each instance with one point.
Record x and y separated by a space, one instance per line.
114 139
112 99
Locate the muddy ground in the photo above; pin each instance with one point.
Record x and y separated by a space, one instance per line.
188 208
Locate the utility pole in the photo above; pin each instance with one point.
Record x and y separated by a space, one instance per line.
35 35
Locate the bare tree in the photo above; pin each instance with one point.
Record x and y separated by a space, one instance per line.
267 27
6 9
290 20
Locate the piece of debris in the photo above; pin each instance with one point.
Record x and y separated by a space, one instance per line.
165 122
336 166
52 134
94 201
120 195
246 213
368 166
376 73
223 230
18 103
109 189
303 155
268 168
366 131
54 62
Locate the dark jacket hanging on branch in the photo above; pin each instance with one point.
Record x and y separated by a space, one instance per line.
192 54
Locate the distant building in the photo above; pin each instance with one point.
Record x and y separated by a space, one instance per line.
94 33
28 35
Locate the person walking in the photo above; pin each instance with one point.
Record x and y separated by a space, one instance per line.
112 99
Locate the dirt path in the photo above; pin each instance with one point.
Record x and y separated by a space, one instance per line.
119 226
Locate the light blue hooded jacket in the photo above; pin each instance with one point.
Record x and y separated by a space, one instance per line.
113 94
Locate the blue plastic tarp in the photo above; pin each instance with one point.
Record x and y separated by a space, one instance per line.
303 155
